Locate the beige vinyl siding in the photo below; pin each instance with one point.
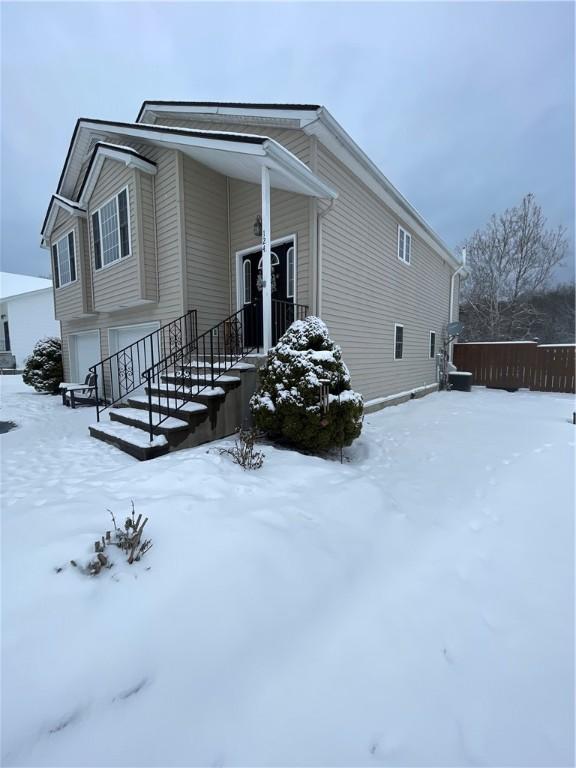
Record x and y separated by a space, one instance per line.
164 191
366 289
144 183
116 285
72 299
290 214
206 237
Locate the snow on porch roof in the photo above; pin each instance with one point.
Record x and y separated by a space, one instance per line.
12 284
237 155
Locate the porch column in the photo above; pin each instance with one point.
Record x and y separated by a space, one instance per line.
266 261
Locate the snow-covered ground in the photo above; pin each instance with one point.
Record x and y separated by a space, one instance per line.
414 606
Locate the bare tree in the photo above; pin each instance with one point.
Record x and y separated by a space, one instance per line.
509 261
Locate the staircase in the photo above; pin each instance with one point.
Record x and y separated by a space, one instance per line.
199 391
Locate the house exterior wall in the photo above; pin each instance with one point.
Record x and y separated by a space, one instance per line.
30 318
73 299
160 231
366 288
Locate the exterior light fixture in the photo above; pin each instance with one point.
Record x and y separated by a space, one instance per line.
258 226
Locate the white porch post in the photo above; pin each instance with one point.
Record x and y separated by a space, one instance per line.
266 261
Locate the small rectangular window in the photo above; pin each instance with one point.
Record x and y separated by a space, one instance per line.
111 230
64 258
432 344
291 273
404 245
398 342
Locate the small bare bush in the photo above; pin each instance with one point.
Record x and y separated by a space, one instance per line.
128 539
244 452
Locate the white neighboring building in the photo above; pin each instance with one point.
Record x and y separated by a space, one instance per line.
27 315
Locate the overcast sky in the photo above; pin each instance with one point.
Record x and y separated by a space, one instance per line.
464 106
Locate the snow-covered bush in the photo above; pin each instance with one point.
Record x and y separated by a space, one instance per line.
288 402
43 369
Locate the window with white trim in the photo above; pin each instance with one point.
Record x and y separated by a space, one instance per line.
291 273
64 260
111 230
247 281
404 245
432 344
398 341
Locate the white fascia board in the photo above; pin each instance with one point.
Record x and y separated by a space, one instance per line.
176 136
335 138
72 208
303 116
106 153
290 165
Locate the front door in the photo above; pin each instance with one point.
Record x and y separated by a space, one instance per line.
283 291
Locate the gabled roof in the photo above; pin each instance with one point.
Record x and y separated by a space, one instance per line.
150 103
103 150
12 285
58 201
314 120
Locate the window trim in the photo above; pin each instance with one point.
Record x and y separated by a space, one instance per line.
401 256
96 211
293 294
247 284
70 282
398 325
431 355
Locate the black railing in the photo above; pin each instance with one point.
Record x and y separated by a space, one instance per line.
123 372
194 368
284 313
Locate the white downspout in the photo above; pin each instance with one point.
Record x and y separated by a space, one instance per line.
266 261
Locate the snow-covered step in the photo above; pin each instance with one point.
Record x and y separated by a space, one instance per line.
206 366
184 407
129 439
198 380
139 418
187 393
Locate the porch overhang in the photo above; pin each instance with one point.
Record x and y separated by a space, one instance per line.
237 155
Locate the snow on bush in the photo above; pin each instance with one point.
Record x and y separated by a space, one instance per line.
288 403
43 369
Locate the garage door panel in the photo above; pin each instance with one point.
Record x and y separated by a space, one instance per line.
84 352
141 351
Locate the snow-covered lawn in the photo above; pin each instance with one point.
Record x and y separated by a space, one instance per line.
414 606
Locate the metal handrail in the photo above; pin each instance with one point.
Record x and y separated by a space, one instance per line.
222 346
122 372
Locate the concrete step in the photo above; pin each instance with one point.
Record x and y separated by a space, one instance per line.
130 439
217 366
136 417
203 395
198 380
186 410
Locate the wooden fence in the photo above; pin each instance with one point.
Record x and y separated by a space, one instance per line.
511 365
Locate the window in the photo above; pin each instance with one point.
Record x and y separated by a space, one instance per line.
247 281
432 344
291 273
111 231
398 341
404 245
64 260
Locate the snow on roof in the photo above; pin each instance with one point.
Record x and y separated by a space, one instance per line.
14 285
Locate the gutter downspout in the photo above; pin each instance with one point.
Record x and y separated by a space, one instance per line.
319 218
452 280
229 243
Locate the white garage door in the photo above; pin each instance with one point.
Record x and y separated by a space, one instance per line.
84 352
126 374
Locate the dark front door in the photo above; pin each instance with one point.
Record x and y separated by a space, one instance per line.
283 288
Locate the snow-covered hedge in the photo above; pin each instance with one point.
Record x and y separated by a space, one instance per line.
287 403
43 369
